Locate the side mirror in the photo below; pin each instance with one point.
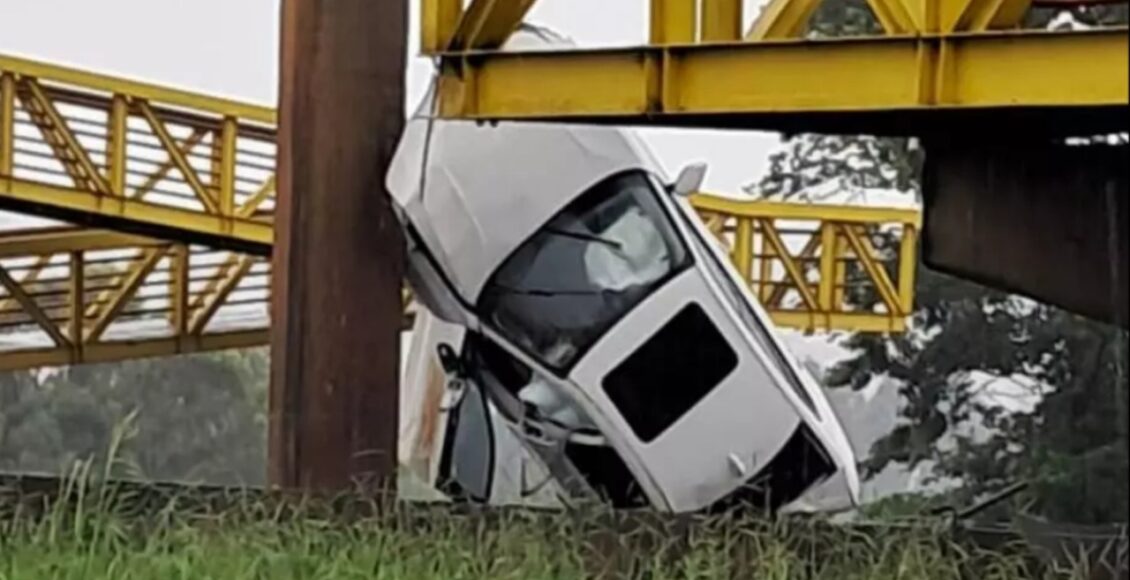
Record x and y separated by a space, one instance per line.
690 180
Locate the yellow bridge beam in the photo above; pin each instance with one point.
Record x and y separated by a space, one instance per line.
887 80
940 66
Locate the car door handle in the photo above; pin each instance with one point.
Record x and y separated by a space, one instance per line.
737 466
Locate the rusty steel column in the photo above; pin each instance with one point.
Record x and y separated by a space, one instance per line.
336 310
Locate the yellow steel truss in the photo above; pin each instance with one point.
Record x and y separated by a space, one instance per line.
173 168
133 156
72 295
940 60
809 264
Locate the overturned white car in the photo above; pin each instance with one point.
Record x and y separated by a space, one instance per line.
585 308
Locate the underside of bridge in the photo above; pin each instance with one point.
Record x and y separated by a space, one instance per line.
1047 220
1013 198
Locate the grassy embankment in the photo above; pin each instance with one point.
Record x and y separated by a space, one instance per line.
104 533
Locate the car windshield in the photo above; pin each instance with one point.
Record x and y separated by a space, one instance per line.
584 270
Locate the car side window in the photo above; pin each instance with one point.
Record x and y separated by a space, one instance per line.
669 374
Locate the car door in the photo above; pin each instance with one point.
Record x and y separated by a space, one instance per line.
822 427
698 406
571 448
467 450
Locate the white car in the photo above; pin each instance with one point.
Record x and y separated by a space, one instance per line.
584 303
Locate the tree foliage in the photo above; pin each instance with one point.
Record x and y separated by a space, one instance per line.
995 389
853 163
1084 16
198 418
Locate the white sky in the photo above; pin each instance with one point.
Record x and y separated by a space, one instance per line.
230 48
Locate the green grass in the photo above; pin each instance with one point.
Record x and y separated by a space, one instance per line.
91 531
313 549
100 534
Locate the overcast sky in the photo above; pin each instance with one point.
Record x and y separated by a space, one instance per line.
230 47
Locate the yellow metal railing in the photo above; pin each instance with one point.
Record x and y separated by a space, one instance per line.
117 152
814 267
73 295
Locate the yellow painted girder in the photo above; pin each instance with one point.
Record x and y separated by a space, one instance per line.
673 21
7 120
483 24
243 232
848 214
658 84
899 16
438 21
55 134
1004 14
487 24
721 20
50 241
